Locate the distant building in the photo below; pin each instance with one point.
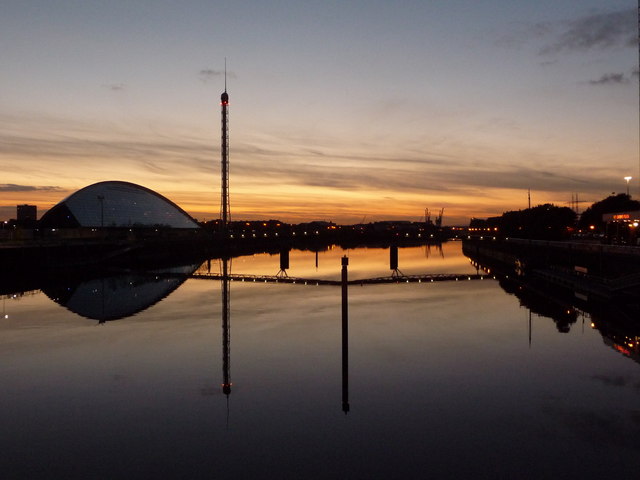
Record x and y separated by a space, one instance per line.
26 215
622 217
117 204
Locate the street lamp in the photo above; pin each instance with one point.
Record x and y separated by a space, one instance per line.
627 179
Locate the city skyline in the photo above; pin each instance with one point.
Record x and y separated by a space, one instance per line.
346 112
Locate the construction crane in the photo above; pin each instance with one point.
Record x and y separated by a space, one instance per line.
439 218
427 217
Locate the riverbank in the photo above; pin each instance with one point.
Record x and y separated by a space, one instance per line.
604 271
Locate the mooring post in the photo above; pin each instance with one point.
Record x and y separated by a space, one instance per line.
284 262
393 258
345 295
345 336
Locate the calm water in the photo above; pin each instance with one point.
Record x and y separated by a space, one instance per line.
443 379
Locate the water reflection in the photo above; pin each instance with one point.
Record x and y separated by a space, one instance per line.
345 335
441 381
111 296
364 262
616 320
226 326
118 296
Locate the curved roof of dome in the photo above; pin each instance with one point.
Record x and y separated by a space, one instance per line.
116 204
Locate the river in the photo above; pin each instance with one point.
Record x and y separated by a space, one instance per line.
122 377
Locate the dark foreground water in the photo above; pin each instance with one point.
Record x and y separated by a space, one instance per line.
445 380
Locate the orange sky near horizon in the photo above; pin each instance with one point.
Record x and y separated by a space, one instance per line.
328 121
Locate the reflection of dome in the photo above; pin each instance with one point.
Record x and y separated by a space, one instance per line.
116 204
119 296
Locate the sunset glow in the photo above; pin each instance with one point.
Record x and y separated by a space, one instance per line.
337 112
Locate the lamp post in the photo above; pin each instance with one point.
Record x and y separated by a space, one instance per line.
627 179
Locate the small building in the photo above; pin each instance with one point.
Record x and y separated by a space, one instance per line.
26 215
622 227
622 217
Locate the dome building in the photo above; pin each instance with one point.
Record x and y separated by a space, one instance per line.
116 204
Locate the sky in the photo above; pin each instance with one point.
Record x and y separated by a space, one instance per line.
349 111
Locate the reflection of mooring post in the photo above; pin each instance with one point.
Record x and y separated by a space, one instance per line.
393 262
529 328
345 336
284 263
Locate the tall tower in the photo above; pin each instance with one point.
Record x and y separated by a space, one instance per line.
225 211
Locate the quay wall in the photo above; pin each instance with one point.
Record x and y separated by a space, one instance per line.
606 261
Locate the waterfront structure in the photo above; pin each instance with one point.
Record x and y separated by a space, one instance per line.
116 204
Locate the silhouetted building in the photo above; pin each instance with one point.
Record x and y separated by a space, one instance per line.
115 204
27 215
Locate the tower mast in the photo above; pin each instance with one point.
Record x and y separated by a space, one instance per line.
225 211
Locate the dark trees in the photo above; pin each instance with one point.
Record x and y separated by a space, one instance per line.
614 203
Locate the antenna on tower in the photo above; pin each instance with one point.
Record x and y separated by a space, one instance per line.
225 74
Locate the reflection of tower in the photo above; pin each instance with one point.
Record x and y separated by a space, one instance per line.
226 327
225 212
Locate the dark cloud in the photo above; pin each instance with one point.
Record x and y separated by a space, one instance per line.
602 30
114 87
208 74
610 79
10 187
419 174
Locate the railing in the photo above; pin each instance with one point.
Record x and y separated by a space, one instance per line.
320 281
577 246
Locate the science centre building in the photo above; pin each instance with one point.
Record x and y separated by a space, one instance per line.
116 204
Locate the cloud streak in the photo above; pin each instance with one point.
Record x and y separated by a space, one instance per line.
208 74
258 165
611 79
114 87
10 187
597 31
